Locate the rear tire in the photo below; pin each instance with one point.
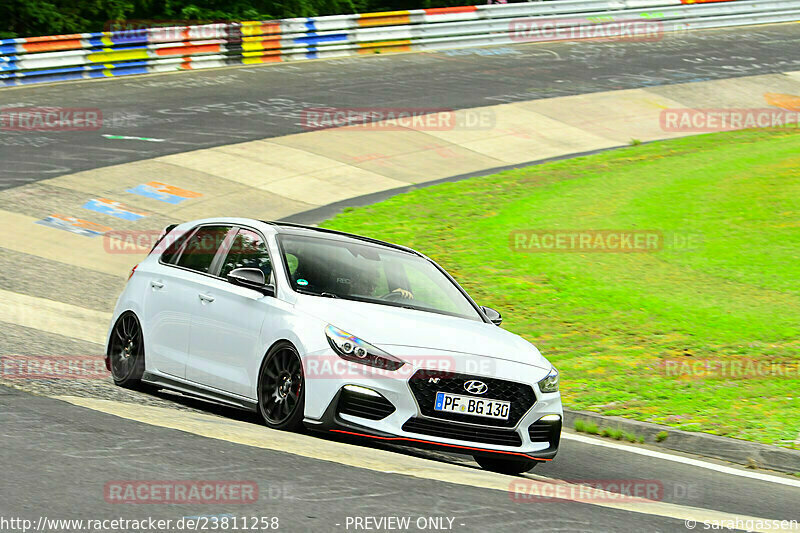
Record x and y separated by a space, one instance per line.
281 388
126 351
505 466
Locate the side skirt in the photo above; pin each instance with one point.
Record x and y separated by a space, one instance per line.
200 392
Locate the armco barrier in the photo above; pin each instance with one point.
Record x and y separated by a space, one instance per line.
121 53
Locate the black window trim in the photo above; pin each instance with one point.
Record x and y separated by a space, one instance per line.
227 246
222 252
186 238
216 263
211 268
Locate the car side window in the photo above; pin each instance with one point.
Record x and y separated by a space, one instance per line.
199 252
173 248
248 251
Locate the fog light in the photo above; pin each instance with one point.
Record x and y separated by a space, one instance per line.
550 418
361 390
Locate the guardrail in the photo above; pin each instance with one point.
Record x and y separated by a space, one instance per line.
160 49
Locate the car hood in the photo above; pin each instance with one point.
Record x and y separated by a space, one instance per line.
391 328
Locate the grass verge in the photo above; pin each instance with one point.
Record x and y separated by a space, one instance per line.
649 336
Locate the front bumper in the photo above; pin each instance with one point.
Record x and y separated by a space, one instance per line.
405 422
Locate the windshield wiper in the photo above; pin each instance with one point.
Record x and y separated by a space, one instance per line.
312 293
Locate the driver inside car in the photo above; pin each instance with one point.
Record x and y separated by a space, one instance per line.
408 295
367 283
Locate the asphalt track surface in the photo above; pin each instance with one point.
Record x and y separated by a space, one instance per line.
63 456
193 110
56 457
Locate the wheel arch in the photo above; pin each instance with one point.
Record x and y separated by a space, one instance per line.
271 347
114 319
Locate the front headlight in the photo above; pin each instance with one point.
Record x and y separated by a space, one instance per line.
352 348
550 381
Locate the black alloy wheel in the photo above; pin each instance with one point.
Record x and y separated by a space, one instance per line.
126 351
281 388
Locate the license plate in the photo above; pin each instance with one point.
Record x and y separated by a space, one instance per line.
470 405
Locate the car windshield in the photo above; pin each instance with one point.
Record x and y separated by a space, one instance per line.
363 272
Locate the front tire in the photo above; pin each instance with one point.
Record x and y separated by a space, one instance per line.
505 466
281 388
126 351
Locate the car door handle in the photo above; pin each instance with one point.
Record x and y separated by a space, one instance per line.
156 284
206 297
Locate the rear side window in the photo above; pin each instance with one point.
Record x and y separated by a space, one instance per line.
199 252
248 251
171 245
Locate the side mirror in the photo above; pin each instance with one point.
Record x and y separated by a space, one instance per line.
252 278
493 316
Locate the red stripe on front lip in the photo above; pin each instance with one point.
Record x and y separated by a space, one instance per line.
438 444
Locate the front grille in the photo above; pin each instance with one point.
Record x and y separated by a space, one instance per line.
424 387
364 406
451 430
549 432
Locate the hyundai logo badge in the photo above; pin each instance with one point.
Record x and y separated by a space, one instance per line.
474 386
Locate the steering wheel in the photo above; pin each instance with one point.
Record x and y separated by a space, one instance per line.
393 296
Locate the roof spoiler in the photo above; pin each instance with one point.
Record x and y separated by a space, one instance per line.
164 233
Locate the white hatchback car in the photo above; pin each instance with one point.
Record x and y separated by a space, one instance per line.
330 331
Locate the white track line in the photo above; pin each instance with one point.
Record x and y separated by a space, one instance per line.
684 460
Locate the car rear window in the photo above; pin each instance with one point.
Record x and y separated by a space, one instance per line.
171 245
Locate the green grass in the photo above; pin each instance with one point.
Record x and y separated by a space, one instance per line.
581 426
613 433
611 322
586 427
630 437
